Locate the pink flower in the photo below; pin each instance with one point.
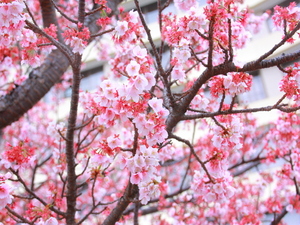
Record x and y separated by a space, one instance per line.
178 73
218 188
4 191
121 28
139 161
184 4
156 104
78 45
133 68
133 16
5 197
140 82
51 221
210 197
133 93
181 54
151 80
16 8
139 52
136 178
114 141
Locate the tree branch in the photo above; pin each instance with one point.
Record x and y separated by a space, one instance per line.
117 212
15 104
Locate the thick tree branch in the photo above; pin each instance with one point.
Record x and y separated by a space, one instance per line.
15 104
130 193
224 68
70 151
70 155
148 209
279 217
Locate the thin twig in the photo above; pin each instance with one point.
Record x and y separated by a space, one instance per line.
102 32
63 14
281 107
194 153
30 14
34 195
21 218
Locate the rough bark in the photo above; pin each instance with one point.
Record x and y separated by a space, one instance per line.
129 195
39 82
15 104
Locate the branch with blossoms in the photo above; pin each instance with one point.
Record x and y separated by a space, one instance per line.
26 95
149 139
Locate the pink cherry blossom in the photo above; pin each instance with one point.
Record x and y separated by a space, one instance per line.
178 73
121 28
51 221
5 195
133 68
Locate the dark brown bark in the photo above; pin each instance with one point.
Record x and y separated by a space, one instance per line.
279 217
182 106
39 82
15 104
178 110
70 155
48 13
129 195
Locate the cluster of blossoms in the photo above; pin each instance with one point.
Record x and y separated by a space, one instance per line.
185 5
142 167
11 25
241 22
183 29
290 83
129 29
283 138
286 17
200 102
143 164
228 135
9 55
181 54
125 119
11 22
152 125
77 38
232 84
192 28
21 155
249 133
5 191
218 190
31 44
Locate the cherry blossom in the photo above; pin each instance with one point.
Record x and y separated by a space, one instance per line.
5 191
133 68
233 84
121 28
185 5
